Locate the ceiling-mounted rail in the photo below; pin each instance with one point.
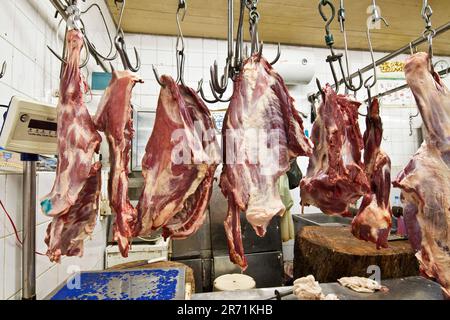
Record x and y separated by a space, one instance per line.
442 29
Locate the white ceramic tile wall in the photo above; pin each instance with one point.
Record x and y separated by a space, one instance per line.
26 27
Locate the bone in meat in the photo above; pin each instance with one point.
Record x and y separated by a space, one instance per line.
66 233
335 176
77 142
374 219
179 163
262 132
114 119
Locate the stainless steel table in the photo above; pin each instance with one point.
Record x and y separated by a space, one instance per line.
410 288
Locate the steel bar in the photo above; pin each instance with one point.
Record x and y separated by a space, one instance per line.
393 90
442 29
29 231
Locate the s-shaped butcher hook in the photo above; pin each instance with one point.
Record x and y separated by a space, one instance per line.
182 6
346 75
376 17
329 39
119 42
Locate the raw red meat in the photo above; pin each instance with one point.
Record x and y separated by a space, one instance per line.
178 167
335 176
425 181
66 233
262 132
78 140
374 219
114 119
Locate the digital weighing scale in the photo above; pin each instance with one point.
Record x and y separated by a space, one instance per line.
30 128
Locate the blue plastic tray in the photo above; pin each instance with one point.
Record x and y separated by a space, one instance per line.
139 284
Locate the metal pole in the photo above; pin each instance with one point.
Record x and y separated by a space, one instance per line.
230 28
29 228
404 86
396 53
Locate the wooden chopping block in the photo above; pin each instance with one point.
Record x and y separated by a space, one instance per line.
143 264
330 253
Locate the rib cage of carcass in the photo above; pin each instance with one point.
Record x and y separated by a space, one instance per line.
335 177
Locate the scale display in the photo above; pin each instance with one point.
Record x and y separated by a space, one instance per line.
29 127
42 125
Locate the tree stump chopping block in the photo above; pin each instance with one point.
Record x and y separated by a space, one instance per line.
329 253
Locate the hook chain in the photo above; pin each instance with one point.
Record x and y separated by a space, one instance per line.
429 32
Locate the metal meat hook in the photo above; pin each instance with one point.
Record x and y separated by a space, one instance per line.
256 45
97 54
346 75
2 73
119 42
411 117
375 18
74 17
217 97
329 40
122 50
180 56
219 84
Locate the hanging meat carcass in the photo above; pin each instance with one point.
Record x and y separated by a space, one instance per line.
425 181
262 133
66 233
72 202
374 219
114 119
179 164
335 177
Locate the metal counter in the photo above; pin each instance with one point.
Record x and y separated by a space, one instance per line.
410 288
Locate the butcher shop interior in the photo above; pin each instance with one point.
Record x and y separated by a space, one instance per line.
224 150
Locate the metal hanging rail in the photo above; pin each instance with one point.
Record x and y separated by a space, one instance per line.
391 91
442 29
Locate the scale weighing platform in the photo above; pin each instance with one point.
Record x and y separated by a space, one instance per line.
138 284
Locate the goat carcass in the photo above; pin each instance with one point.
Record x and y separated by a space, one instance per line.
425 181
73 203
262 133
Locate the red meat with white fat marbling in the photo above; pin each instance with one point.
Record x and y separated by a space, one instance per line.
425 181
78 140
179 163
335 177
114 119
66 233
374 219
262 133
